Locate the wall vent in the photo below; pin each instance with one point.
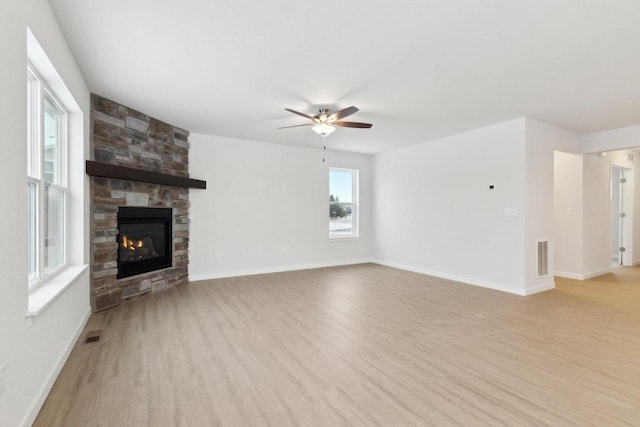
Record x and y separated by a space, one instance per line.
543 258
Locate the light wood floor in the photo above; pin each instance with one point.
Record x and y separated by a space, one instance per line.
359 346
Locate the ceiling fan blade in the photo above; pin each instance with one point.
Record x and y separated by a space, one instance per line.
299 113
297 126
353 125
344 113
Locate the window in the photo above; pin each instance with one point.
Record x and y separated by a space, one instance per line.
343 203
47 191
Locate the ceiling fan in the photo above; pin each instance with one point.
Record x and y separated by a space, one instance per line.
324 123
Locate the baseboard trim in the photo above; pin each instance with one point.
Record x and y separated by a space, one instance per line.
53 376
596 273
577 276
267 270
567 275
540 288
636 262
456 278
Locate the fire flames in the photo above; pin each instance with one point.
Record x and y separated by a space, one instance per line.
136 249
130 244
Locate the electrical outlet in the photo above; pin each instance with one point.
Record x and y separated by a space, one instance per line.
466 257
218 254
286 249
3 379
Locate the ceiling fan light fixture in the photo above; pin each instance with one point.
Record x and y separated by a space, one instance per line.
323 129
324 123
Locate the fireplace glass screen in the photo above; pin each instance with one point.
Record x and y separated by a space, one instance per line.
144 240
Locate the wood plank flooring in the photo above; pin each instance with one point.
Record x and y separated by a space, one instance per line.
361 345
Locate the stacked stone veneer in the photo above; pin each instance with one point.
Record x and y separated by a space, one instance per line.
125 137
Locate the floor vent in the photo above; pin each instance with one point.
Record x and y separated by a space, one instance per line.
543 258
93 336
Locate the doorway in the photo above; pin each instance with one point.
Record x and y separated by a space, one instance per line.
619 218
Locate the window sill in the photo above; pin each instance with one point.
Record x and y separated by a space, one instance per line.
343 238
41 297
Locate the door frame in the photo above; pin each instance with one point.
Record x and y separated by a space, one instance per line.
625 225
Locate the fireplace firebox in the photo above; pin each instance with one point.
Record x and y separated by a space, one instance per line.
144 240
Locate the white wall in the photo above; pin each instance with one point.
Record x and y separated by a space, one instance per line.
32 355
568 213
439 186
261 198
596 215
541 141
432 206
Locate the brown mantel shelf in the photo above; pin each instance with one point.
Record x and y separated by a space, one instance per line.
106 170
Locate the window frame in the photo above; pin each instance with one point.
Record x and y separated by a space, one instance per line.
38 93
355 203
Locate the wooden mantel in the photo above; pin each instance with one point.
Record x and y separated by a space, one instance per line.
106 170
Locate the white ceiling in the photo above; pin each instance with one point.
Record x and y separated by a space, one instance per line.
417 69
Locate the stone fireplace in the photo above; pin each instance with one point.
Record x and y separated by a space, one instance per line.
142 147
